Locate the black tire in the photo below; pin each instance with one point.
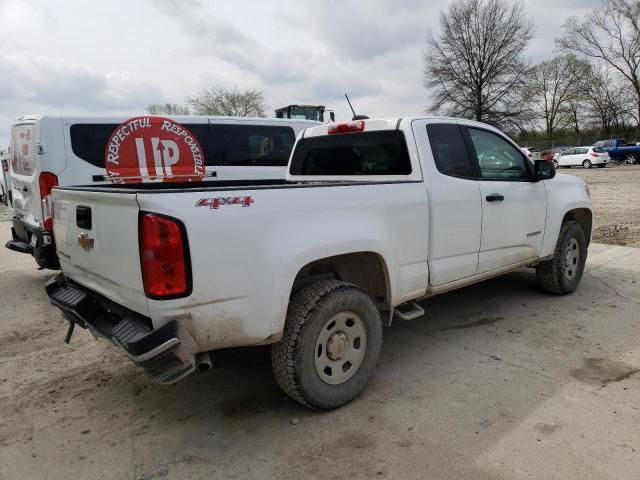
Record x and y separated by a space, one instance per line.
631 159
555 276
555 164
586 163
294 358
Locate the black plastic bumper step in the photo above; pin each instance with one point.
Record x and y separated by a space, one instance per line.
19 246
67 296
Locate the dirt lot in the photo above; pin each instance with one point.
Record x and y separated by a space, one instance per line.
497 381
615 192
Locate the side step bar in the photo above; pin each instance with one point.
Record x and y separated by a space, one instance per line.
19 246
409 311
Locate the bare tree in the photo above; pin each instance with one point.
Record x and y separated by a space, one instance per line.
167 109
552 86
607 100
610 34
575 111
229 102
474 66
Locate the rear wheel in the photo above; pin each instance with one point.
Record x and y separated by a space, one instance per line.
555 164
562 274
631 159
330 346
586 164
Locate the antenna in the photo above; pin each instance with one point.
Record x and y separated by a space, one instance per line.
355 116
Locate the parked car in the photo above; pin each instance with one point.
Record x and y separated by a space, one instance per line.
552 154
372 216
61 150
531 152
619 151
585 157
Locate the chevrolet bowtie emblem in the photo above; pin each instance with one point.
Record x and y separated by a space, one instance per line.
85 242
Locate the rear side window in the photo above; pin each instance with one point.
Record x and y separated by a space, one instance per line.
89 140
449 150
22 149
381 152
252 145
599 150
580 151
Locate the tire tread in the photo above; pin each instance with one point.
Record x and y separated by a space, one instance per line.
283 353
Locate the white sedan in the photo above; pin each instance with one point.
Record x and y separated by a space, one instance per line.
585 157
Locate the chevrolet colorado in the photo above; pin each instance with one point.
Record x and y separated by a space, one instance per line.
372 216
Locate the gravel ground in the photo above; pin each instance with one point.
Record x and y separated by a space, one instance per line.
498 381
615 192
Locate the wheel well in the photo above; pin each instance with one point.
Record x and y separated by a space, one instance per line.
584 217
365 269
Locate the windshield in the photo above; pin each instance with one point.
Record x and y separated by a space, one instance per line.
369 153
307 113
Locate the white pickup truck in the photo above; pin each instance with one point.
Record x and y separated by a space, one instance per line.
373 215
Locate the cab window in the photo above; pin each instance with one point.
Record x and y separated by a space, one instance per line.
497 158
381 152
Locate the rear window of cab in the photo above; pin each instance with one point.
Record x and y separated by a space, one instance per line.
381 152
222 144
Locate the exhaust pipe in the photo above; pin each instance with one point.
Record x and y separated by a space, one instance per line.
203 362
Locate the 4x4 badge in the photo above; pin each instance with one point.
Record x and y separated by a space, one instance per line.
85 242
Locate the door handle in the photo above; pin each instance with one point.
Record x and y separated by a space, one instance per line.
495 197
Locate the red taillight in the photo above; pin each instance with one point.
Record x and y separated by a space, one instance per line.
5 166
595 155
162 256
346 127
47 181
530 154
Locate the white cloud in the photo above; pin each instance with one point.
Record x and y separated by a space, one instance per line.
118 56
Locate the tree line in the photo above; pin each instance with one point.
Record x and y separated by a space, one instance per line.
475 67
218 101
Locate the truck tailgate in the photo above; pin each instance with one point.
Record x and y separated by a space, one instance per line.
96 235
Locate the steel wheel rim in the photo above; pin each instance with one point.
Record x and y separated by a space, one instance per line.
571 259
340 347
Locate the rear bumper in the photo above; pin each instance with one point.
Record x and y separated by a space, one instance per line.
34 241
167 353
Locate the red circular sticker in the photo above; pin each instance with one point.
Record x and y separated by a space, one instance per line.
153 149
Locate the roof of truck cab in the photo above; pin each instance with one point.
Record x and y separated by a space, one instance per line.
393 123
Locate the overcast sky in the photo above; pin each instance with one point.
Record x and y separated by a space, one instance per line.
117 56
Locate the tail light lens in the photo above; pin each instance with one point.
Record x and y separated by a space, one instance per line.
47 181
163 257
595 155
5 166
346 127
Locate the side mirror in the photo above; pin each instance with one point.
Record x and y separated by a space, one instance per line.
544 170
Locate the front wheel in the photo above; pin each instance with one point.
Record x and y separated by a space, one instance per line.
330 346
586 164
562 274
